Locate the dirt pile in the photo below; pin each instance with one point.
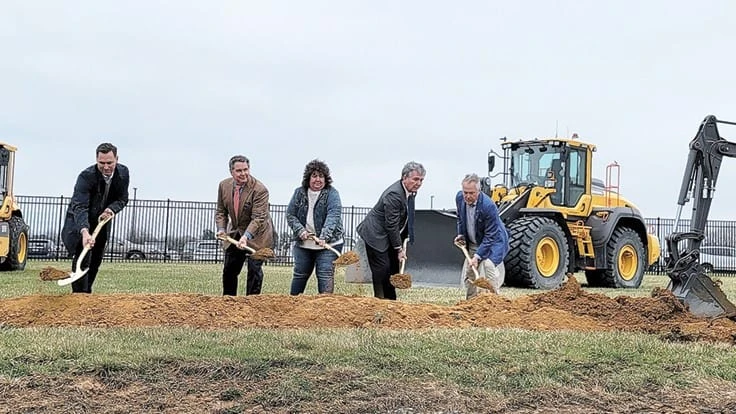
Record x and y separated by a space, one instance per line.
568 308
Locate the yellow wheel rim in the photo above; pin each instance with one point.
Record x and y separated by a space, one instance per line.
548 256
628 262
22 247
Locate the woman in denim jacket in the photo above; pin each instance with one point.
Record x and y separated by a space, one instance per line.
314 215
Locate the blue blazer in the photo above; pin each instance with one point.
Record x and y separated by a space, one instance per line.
490 233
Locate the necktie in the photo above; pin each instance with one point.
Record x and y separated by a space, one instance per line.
236 199
107 191
410 216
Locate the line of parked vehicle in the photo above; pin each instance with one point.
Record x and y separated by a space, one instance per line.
196 250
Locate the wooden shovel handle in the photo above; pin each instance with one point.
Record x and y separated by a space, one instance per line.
467 256
332 249
403 262
225 237
87 247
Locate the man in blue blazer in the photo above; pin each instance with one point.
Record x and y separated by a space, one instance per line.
101 190
485 236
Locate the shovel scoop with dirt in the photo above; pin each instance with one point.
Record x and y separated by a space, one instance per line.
481 282
264 253
401 280
343 259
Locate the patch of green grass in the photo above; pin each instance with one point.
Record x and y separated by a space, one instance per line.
303 366
505 361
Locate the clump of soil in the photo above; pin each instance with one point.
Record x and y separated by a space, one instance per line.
264 254
567 308
50 273
484 283
401 280
346 259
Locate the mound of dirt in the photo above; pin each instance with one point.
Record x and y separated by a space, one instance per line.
567 308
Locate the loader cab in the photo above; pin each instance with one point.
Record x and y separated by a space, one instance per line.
7 159
562 165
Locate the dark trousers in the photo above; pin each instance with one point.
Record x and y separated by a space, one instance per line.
383 265
234 261
91 261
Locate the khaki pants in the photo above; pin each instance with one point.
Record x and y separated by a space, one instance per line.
495 274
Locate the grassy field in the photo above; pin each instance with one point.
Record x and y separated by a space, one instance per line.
135 277
357 370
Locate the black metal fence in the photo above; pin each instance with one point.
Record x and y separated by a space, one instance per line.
168 230
158 230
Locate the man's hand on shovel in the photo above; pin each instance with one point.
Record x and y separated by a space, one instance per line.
88 242
473 263
240 244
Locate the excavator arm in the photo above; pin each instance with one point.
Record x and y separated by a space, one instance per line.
688 280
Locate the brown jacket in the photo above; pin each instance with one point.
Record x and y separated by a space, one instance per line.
253 216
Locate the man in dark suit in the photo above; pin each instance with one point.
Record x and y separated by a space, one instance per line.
243 213
101 191
387 224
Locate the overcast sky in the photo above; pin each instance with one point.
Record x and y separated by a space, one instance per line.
180 86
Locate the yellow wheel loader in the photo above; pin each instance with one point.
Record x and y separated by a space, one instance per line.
559 220
13 229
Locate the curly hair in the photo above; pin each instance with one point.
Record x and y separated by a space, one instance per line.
320 167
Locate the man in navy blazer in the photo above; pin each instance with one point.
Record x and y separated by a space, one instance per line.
101 191
388 223
480 228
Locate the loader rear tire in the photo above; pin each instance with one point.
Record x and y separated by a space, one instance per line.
538 257
18 248
625 261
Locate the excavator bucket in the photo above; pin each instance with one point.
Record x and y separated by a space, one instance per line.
703 297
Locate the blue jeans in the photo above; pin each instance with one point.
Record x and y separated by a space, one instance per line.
305 261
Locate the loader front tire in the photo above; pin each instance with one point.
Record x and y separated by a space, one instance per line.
625 259
18 248
538 257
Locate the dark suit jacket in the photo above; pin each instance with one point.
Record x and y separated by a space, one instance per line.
382 227
86 204
253 217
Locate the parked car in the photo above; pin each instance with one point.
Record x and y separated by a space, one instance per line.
202 250
42 248
120 248
158 250
718 258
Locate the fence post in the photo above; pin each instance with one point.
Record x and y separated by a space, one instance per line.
352 227
61 221
166 234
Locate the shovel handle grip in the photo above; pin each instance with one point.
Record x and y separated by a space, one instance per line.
229 239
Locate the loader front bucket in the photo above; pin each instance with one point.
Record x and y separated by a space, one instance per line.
703 297
432 259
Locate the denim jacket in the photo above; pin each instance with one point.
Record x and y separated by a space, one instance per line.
327 214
